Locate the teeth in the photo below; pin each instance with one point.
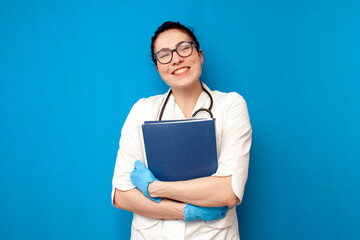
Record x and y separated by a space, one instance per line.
181 70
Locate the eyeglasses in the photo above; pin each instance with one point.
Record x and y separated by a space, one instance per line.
183 49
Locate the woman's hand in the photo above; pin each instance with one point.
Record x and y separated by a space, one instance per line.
141 177
192 212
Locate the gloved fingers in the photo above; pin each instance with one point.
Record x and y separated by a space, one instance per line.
224 209
158 199
189 213
141 177
223 213
192 212
138 165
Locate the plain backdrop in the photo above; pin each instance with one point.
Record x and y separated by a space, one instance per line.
71 70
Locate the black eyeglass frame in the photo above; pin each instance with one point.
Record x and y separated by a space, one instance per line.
175 50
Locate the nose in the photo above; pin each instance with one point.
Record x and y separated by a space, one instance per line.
176 58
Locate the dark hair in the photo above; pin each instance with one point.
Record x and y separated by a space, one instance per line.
168 26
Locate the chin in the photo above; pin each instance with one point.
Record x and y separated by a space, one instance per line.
183 83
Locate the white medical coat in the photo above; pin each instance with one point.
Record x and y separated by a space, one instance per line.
233 140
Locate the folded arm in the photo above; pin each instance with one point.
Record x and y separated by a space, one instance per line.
135 201
207 192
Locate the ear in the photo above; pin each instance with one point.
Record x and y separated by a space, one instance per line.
201 56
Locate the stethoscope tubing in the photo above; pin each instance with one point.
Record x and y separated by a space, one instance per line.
208 110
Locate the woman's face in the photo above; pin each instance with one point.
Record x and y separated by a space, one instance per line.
181 72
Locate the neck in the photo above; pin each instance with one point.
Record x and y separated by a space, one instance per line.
186 98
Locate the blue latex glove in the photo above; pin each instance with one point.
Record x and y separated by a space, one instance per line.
141 177
192 212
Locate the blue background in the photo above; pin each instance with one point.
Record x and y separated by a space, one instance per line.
71 70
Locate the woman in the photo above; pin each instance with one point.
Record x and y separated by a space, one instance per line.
194 209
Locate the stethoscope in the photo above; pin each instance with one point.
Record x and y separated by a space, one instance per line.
208 110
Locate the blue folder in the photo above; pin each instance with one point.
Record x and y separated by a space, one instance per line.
180 150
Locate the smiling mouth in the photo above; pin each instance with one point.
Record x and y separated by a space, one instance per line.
181 71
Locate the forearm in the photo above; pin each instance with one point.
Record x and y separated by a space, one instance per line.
134 201
206 192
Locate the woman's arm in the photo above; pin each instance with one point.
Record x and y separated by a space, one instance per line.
134 201
206 192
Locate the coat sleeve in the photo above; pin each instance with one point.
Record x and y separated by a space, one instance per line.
235 145
130 149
